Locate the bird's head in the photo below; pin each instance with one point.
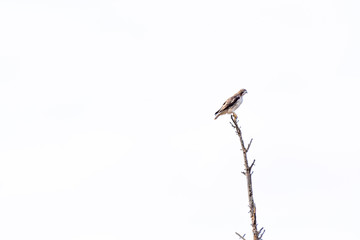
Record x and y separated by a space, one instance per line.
242 92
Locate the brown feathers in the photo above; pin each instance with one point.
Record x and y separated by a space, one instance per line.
231 104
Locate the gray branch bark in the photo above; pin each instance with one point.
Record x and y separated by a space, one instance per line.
248 173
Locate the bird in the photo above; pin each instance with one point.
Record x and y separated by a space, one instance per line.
231 104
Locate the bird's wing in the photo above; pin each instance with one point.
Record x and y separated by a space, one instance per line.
228 103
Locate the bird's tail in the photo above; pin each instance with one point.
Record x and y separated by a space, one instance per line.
217 115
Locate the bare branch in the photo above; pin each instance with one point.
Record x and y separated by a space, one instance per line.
233 118
248 173
242 237
247 149
252 164
261 233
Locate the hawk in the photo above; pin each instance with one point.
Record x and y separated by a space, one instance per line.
230 105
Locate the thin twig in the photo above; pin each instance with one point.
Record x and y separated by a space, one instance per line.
247 149
242 237
252 164
261 233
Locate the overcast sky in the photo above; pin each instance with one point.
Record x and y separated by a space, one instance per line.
107 119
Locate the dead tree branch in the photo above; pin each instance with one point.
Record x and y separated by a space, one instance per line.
247 149
257 234
252 164
242 237
261 233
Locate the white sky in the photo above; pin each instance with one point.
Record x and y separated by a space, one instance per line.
107 127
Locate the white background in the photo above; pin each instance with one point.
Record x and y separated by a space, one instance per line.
107 129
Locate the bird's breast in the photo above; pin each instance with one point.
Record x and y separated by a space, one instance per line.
238 103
